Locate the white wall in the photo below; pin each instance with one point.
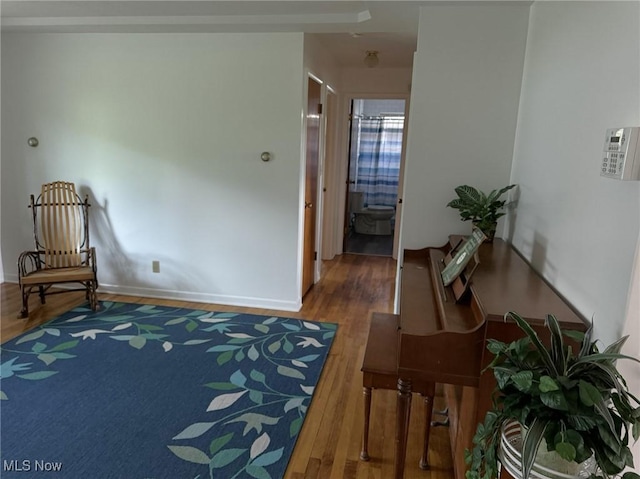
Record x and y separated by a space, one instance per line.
1 260
580 230
361 80
464 102
165 134
629 369
318 60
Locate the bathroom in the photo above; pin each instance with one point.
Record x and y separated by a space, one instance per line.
375 155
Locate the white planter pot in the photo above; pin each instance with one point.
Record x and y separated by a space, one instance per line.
548 465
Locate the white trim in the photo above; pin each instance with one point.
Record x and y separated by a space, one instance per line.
302 180
320 180
314 77
75 23
246 301
225 300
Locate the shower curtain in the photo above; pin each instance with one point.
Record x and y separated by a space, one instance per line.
380 150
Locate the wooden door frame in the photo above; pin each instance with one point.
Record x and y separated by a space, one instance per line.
320 179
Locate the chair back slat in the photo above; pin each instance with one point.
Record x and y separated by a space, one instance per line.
61 225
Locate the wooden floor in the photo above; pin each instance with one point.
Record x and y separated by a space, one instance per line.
328 447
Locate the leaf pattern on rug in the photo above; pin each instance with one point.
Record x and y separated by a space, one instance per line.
262 399
279 342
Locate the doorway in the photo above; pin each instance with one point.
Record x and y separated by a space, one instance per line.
376 135
311 183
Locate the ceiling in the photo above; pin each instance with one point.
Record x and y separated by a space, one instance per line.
348 29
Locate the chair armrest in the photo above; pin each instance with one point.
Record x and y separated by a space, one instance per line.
28 262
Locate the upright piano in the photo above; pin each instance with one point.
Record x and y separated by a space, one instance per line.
444 341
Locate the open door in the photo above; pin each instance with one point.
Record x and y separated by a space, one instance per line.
376 149
329 180
309 254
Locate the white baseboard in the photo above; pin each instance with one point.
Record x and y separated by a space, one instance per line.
244 301
249 302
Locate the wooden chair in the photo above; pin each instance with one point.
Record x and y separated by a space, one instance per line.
380 371
62 253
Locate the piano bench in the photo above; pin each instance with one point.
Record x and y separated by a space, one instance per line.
380 371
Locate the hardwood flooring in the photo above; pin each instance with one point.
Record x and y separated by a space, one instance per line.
328 447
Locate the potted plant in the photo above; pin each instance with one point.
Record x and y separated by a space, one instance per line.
574 399
481 209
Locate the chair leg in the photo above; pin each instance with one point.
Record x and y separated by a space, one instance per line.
24 312
428 411
92 296
41 290
364 455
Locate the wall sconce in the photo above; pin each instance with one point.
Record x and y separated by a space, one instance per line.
371 59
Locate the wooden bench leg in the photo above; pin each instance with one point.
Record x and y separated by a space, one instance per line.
364 455
403 412
428 412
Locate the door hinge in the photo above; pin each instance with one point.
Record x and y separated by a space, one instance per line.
319 108
315 256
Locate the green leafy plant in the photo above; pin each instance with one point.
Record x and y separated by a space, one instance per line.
577 401
481 209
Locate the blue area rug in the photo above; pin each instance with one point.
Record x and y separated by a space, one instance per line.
149 392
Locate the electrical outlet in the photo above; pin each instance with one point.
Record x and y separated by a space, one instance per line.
155 266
